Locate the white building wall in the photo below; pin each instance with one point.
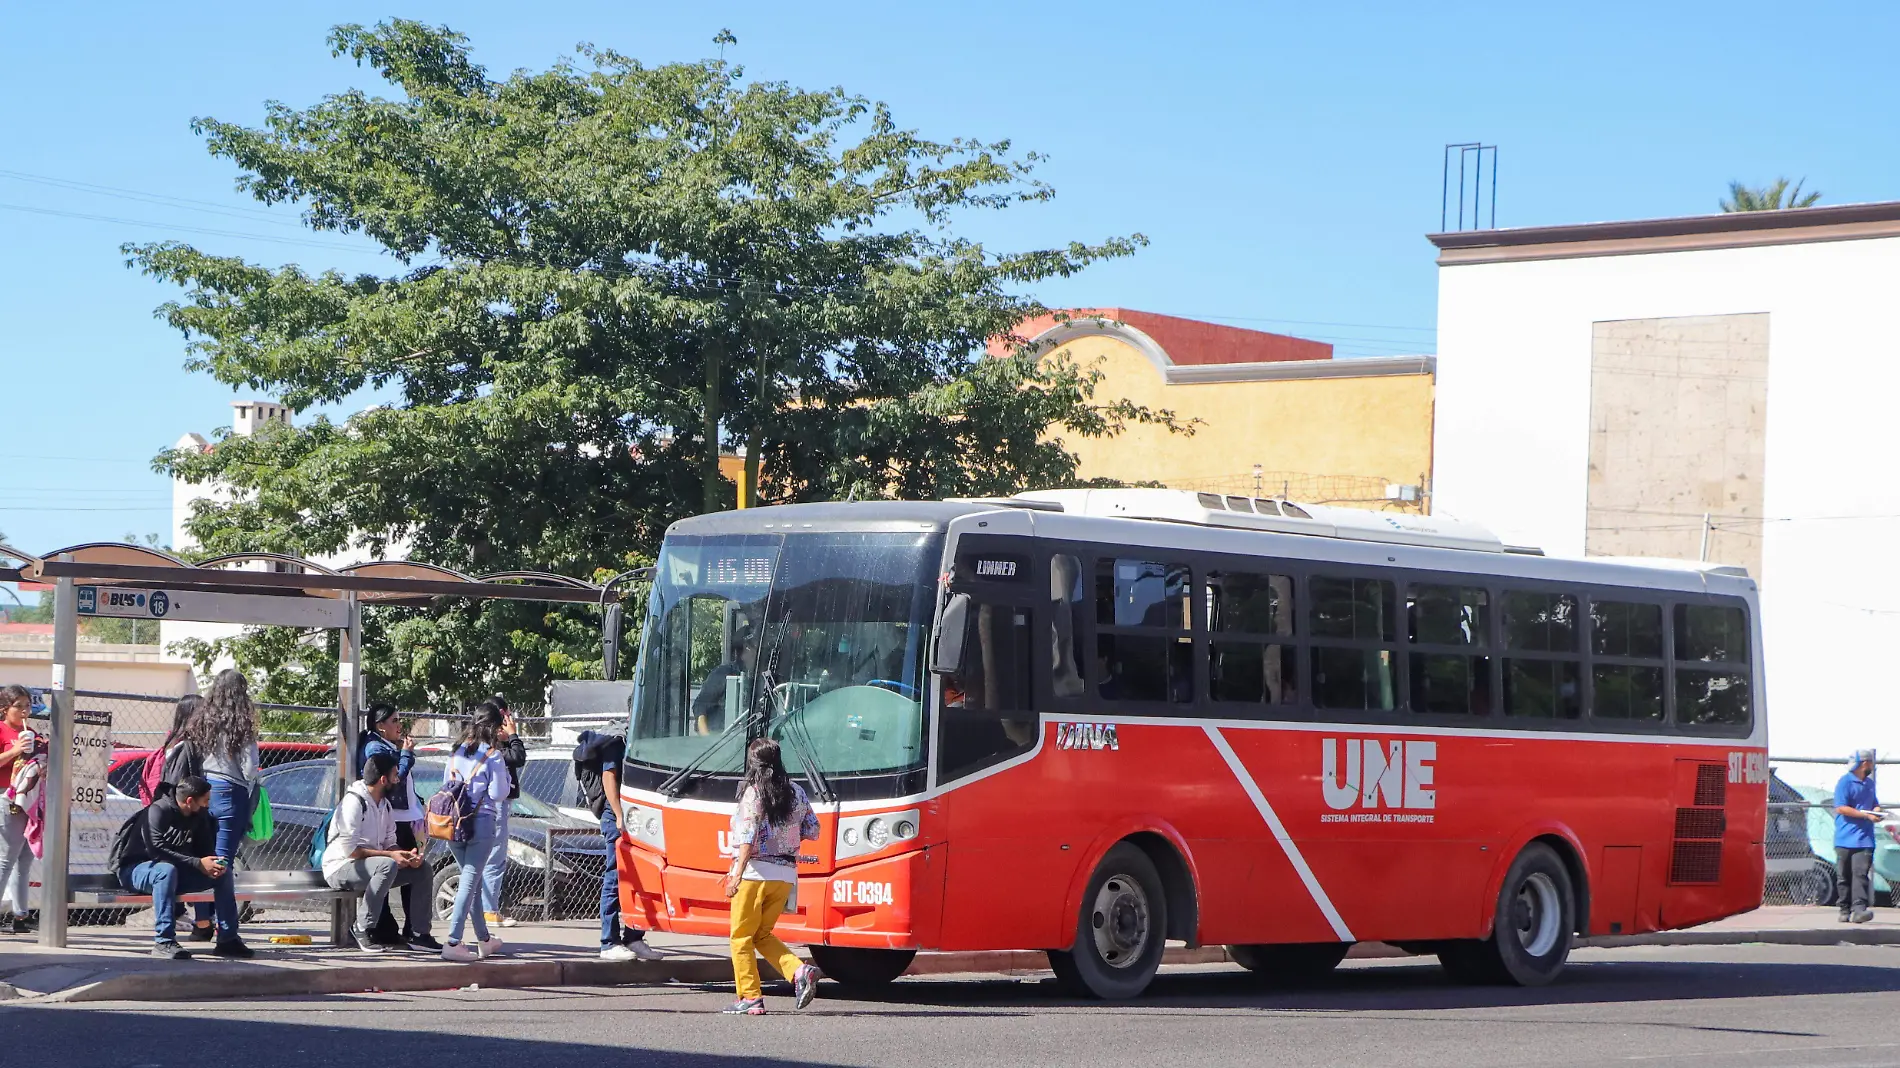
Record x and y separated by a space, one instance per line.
1512 442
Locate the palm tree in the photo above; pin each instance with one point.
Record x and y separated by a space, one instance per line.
1769 197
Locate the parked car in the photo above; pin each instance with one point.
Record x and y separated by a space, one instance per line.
1797 875
549 776
303 793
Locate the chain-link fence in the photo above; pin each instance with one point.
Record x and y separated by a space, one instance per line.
548 868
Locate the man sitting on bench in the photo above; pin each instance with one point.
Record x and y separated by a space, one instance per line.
363 855
167 850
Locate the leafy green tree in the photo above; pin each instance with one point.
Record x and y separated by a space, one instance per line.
1772 197
608 274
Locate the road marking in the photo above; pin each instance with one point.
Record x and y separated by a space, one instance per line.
1279 832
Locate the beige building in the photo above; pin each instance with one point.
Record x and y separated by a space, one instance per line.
1273 414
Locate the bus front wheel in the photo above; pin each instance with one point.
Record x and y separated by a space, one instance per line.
861 969
1294 960
1121 931
1530 933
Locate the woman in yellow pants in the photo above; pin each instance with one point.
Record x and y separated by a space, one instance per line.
772 819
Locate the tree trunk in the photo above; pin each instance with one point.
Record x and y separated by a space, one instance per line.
761 405
714 494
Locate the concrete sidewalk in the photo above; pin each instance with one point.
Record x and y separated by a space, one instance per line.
110 964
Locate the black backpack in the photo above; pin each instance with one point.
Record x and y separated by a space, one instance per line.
122 841
588 768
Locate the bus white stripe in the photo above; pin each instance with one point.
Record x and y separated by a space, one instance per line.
1279 832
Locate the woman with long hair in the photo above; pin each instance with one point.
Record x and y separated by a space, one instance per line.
773 817
224 735
476 762
174 760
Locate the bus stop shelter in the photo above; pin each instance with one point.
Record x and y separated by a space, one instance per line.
115 579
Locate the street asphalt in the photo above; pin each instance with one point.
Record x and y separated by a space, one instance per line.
1736 1006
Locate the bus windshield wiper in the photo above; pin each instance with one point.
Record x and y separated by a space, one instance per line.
676 783
793 730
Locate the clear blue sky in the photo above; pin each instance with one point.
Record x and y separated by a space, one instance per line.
1284 159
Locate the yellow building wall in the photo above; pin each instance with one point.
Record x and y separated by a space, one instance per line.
1348 433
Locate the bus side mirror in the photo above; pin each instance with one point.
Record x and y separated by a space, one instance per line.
952 626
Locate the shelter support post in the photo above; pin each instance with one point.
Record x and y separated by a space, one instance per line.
348 697
59 766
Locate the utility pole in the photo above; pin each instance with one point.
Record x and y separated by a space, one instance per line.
1706 526
57 835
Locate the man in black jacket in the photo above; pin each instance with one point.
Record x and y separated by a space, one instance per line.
172 850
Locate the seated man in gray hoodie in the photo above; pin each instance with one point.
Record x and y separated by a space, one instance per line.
362 854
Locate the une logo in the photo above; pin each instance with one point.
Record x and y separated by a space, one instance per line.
1392 774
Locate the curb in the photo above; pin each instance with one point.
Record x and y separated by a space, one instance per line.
1847 935
192 983
278 982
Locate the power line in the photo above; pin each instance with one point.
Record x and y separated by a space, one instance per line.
305 242
162 199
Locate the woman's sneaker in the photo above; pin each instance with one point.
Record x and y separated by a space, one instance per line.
460 953
493 947
804 986
746 1007
617 953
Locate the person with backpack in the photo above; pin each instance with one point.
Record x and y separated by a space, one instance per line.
597 760
361 853
514 753
386 737
169 848
467 812
16 856
773 817
223 734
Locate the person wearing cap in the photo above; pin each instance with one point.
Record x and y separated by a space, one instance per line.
1856 807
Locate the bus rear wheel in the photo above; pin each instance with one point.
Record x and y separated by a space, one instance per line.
1530 936
1294 960
861 969
1121 931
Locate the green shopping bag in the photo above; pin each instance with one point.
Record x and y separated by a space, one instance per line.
262 826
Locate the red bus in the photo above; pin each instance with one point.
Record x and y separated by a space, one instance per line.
1094 721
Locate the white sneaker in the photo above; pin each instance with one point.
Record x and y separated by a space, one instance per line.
618 953
509 921
642 951
493 947
460 953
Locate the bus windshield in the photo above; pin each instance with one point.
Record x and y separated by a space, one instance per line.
815 639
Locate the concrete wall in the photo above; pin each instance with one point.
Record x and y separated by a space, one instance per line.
1379 428
1513 439
1678 428
114 668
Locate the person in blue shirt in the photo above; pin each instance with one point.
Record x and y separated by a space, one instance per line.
1856 807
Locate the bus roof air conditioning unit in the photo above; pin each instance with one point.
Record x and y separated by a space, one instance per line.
1283 517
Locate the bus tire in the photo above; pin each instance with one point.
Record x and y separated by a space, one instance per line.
1293 960
861 969
1120 931
1530 931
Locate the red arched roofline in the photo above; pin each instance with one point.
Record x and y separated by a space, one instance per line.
1167 341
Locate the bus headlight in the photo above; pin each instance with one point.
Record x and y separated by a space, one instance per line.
863 835
646 826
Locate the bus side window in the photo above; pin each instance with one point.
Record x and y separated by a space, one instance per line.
988 715
1067 603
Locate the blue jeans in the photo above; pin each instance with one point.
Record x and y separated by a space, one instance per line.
165 881
497 865
611 933
472 857
231 810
